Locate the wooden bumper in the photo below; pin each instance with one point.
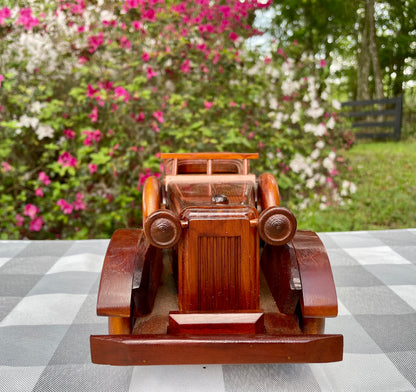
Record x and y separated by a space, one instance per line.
222 349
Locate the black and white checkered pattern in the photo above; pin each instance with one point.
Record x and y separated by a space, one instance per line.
48 292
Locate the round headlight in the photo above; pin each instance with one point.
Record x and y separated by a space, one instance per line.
163 229
277 225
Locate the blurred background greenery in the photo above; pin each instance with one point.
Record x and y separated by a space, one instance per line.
90 92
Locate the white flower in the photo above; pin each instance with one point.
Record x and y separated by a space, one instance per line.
289 86
254 70
315 153
273 72
324 95
295 117
26 121
309 128
315 111
320 144
287 68
331 123
277 124
273 104
36 107
280 117
106 15
328 164
310 183
297 163
169 86
44 131
336 104
320 130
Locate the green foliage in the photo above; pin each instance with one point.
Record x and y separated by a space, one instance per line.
384 174
90 101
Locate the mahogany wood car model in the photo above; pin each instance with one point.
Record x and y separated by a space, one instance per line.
237 283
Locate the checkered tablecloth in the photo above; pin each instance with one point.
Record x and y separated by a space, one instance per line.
48 292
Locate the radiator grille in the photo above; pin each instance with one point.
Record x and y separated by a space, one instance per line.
219 274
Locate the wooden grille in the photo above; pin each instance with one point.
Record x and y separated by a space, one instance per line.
219 272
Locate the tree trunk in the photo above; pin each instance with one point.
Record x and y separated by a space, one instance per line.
373 50
368 58
363 64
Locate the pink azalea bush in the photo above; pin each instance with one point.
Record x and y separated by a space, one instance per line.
91 92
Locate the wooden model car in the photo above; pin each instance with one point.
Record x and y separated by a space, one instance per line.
205 299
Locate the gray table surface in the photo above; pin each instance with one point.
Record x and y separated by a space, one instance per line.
48 292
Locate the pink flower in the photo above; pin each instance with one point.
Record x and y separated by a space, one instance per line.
66 207
91 91
159 116
150 15
136 25
232 104
92 167
82 60
92 136
140 117
150 73
233 36
44 178
125 43
94 115
66 159
111 23
208 104
251 135
322 63
36 224
26 19
69 133
78 203
78 8
19 220
4 14
95 41
30 211
6 166
185 67
145 57
39 192
128 4
143 177
121 92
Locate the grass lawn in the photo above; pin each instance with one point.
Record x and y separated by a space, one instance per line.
385 176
